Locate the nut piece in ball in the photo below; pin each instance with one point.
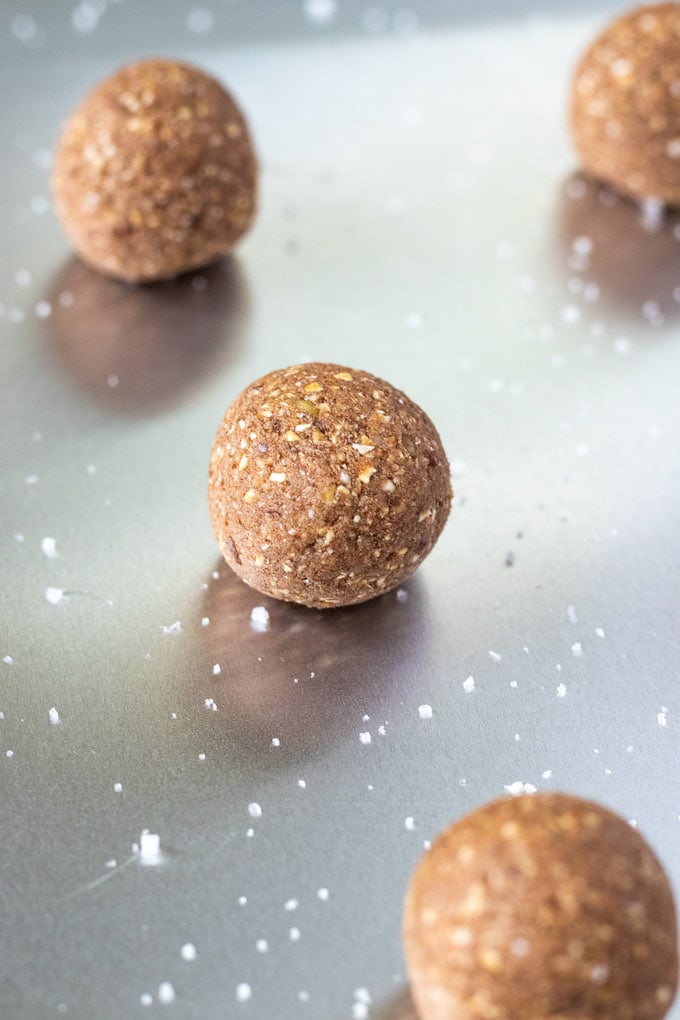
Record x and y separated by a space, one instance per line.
155 173
536 907
327 486
625 106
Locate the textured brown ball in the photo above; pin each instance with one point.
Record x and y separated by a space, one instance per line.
155 172
327 486
625 107
536 907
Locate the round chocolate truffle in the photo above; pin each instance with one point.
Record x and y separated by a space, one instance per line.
625 106
327 485
544 906
155 173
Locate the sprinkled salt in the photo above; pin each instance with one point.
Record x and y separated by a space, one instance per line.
205 621
303 996
365 737
53 716
217 669
402 595
146 999
495 656
262 945
561 691
425 711
54 595
149 848
243 992
259 619
410 823
291 904
469 684
8 660
599 631
9 754
517 788
359 1011
210 704
254 810
571 614
661 717
323 893
547 774
166 993
242 900
117 787
276 742
294 934
188 952
172 628
320 12
577 650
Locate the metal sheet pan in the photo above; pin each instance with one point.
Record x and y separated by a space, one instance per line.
421 217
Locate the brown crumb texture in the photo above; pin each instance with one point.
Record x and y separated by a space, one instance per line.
327 486
541 907
625 106
155 173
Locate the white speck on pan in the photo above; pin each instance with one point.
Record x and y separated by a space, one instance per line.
577 650
150 849
401 595
53 717
495 656
561 691
294 934
425 711
259 619
166 993
323 893
217 669
254 810
201 756
117 787
188 952
571 614
54 595
517 788
8 660
662 717
365 737
291 904
205 621
469 685
172 628
243 992
49 547
276 742
410 823
146 999
262 945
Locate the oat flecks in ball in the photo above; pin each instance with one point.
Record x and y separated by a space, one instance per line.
327 485
542 906
155 172
625 107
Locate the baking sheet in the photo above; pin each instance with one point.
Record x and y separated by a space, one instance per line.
421 217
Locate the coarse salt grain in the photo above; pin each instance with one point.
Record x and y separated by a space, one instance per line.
149 848
166 993
53 716
469 684
188 952
243 992
54 595
259 619
49 547
425 711
365 737
254 810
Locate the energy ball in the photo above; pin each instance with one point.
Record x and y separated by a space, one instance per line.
327 486
625 106
536 907
155 173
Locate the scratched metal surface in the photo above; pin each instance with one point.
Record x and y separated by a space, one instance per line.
420 218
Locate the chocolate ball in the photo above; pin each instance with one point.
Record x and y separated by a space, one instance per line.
544 906
327 486
155 173
625 105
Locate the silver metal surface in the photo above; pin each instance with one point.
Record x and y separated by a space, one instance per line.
420 218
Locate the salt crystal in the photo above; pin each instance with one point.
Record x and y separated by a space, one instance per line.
149 848
188 952
112 863
54 595
320 12
577 650
323 893
561 691
495 656
402 595
661 717
146 999
9 754
243 992
425 711
8 660
409 823
365 738
359 1011
518 787
49 547
469 684
172 628
291 905
571 614
262 945
166 993
242 900
303 996
117 787
294 934
547 774
276 742
210 704
259 619
205 621
254 810
53 716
